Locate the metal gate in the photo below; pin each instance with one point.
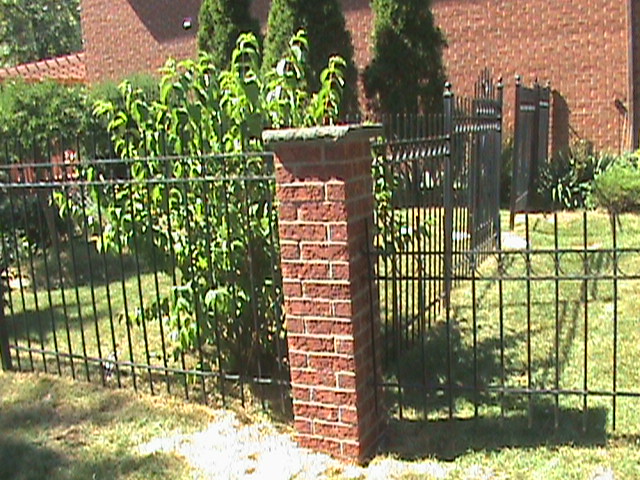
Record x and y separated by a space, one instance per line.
437 192
531 144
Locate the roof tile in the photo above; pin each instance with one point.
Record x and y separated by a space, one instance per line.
69 69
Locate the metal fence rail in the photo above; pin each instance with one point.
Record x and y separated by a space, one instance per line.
158 273
437 192
410 232
546 330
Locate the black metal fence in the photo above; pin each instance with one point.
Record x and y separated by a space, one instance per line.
531 145
543 331
156 273
437 193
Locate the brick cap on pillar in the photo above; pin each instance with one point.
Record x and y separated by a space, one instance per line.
322 134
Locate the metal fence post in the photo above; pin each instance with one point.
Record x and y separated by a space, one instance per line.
514 171
498 171
449 131
450 135
534 166
5 352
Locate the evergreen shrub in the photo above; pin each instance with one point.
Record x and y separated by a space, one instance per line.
406 74
618 189
327 35
219 24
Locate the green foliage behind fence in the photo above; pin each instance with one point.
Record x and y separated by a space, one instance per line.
327 33
187 201
406 73
217 240
618 188
220 23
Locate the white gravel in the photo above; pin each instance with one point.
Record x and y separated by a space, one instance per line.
228 450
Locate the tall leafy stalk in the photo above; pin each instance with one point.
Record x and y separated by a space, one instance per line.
214 237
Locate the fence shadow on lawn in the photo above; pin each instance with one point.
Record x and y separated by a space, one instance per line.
50 431
528 421
16 453
74 262
448 439
471 386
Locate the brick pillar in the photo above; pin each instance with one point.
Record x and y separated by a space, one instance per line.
325 204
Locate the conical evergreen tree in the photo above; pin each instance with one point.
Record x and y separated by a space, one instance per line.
406 73
220 23
327 34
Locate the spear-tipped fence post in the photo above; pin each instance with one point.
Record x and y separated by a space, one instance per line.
449 131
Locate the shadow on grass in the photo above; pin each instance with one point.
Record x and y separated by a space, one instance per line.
72 262
421 375
24 460
38 325
209 387
49 433
447 372
21 459
495 368
448 439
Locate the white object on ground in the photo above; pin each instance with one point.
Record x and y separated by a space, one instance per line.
511 241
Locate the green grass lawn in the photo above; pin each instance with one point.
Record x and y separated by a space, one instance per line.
74 300
515 347
77 305
54 428
565 462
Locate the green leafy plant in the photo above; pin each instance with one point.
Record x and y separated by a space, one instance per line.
109 90
96 139
567 180
216 241
35 115
618 188
37 30
39 124
398 187
328 36
219 24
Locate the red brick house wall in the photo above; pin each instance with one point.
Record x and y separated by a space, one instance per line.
125 36
583 47
580 46
122 37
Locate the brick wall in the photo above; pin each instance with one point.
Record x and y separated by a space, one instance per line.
127 36
581 46
325 207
